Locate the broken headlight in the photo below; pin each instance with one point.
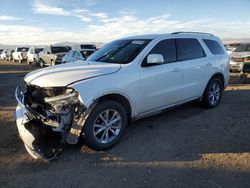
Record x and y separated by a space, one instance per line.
61 97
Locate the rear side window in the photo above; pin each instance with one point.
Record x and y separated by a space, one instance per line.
214 47
167 48
190 49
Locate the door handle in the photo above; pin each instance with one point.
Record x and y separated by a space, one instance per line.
176 70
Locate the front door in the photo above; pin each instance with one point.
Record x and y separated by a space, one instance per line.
161 85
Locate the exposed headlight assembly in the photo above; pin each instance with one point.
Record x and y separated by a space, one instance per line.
70 97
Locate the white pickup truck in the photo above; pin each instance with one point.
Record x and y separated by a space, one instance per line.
20 54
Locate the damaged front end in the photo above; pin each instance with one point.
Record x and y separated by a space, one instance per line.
48 117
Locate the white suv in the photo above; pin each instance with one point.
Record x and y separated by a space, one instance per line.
125 80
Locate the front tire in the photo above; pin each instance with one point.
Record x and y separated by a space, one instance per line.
213 93
53 63
41 63
105 125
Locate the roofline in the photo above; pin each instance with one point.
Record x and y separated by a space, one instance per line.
189 32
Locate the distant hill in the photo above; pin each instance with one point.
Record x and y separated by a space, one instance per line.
230 40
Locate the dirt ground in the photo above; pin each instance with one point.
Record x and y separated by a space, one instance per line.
184 147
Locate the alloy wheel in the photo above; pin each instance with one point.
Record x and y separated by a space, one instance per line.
107 126
214 93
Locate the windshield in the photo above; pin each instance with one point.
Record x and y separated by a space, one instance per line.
22 49
37 50
243 48
60 49
121 51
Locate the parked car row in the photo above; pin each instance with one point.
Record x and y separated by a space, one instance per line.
48 56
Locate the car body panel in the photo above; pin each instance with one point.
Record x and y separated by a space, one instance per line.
75 71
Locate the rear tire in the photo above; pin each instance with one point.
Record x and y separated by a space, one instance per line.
105 125
212 94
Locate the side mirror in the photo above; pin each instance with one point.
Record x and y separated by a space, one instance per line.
155 59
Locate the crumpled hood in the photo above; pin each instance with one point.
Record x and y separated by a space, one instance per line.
240 54
65 74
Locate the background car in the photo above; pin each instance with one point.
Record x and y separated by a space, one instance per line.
32 55
6 54
20 54
239 57
9 54
3 54
52 55
88 47
75 55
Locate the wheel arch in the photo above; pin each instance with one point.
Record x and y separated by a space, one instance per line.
123 100
218 75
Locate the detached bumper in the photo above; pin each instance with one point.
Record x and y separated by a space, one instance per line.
22 118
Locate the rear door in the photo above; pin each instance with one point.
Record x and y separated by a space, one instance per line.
194 67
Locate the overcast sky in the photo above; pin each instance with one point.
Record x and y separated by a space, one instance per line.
51 21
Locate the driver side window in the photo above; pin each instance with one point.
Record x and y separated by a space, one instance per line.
166 48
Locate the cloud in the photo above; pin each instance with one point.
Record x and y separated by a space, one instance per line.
40 8
9 18
111 28
100 15
83 18
85 15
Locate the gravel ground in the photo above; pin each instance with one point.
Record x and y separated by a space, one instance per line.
185 147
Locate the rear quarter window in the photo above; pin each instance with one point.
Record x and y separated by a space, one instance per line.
214 47
190 49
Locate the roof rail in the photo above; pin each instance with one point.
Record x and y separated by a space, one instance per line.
179 32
